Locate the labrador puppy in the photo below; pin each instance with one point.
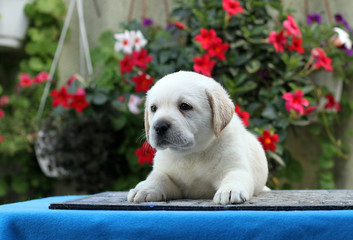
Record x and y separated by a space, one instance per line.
203 149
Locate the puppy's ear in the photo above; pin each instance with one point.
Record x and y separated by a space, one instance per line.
147 125
222 108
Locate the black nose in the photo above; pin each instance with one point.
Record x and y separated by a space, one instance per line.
162 127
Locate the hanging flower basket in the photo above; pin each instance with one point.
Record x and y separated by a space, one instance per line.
13 23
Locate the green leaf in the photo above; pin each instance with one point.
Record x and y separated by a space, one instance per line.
36 64
19 184
301 123
3 187
119 122
269 112
100 98
253 66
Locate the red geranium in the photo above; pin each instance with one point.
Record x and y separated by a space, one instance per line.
145 154
204 65
332 103
268 141
217 48
141 58
61 97
277 40
126 64
79 102
321 59
295 101
244 116
205 37
25 80
143 82
232 7
296 45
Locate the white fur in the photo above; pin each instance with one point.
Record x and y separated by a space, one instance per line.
207 153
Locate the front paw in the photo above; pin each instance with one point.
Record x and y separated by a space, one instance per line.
230 195
146 195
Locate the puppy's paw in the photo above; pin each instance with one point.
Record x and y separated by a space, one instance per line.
230 195
145 195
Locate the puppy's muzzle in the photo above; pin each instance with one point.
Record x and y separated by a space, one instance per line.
162 127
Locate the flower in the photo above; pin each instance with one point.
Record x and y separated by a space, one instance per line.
143 82
147 22
4 100
313 18
296 45
2 138
232 7
204 65
277 40
205 37
124 42
244 116
141 58
25 80
71 80
268 141
61 97
309 110
217 48
126 64
2 113
134 102
295 101
145 154
342 38
79 102
179 25
291 26
340 19
138 40
332 103
321 60
41 77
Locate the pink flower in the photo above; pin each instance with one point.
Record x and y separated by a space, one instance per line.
277 40
295 101
2 138
25 80
4 100
41 77
71 80
291 26
321 59
2 113
332 103
133 104
232 7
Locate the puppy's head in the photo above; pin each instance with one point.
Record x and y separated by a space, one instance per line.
185 112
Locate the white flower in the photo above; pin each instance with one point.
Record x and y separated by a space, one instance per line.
124 42
133 104
343 37
139 40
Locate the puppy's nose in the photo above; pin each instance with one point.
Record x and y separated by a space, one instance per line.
162 127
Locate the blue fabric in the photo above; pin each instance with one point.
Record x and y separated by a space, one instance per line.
33 220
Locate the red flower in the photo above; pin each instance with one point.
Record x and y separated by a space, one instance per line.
179 25
217 48
61 97
145 153
204 65
71 80
321 59
332 103
244 116
295 101
296 45
4 100
41 77
232 7
205 37
268 141
277 40
25 80
2 113
126 64
79 102
141 58
2 138
309 110
291 26
143 82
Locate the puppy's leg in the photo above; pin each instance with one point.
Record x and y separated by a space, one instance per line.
157 187
236 187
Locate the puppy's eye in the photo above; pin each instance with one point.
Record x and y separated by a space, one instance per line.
153 108
185 107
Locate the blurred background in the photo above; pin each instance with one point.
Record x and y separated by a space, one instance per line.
73 75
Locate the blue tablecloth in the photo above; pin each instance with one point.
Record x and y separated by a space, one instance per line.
33 220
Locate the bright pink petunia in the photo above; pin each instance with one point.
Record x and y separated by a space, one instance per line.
61 97
141 58
321 59
217 48
332 103
205 37
41 77
25 80
268 141
145 154
204 65
295 101
126 64
296 45
143 82
232 7
292 28
277 40
79 101
244 116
